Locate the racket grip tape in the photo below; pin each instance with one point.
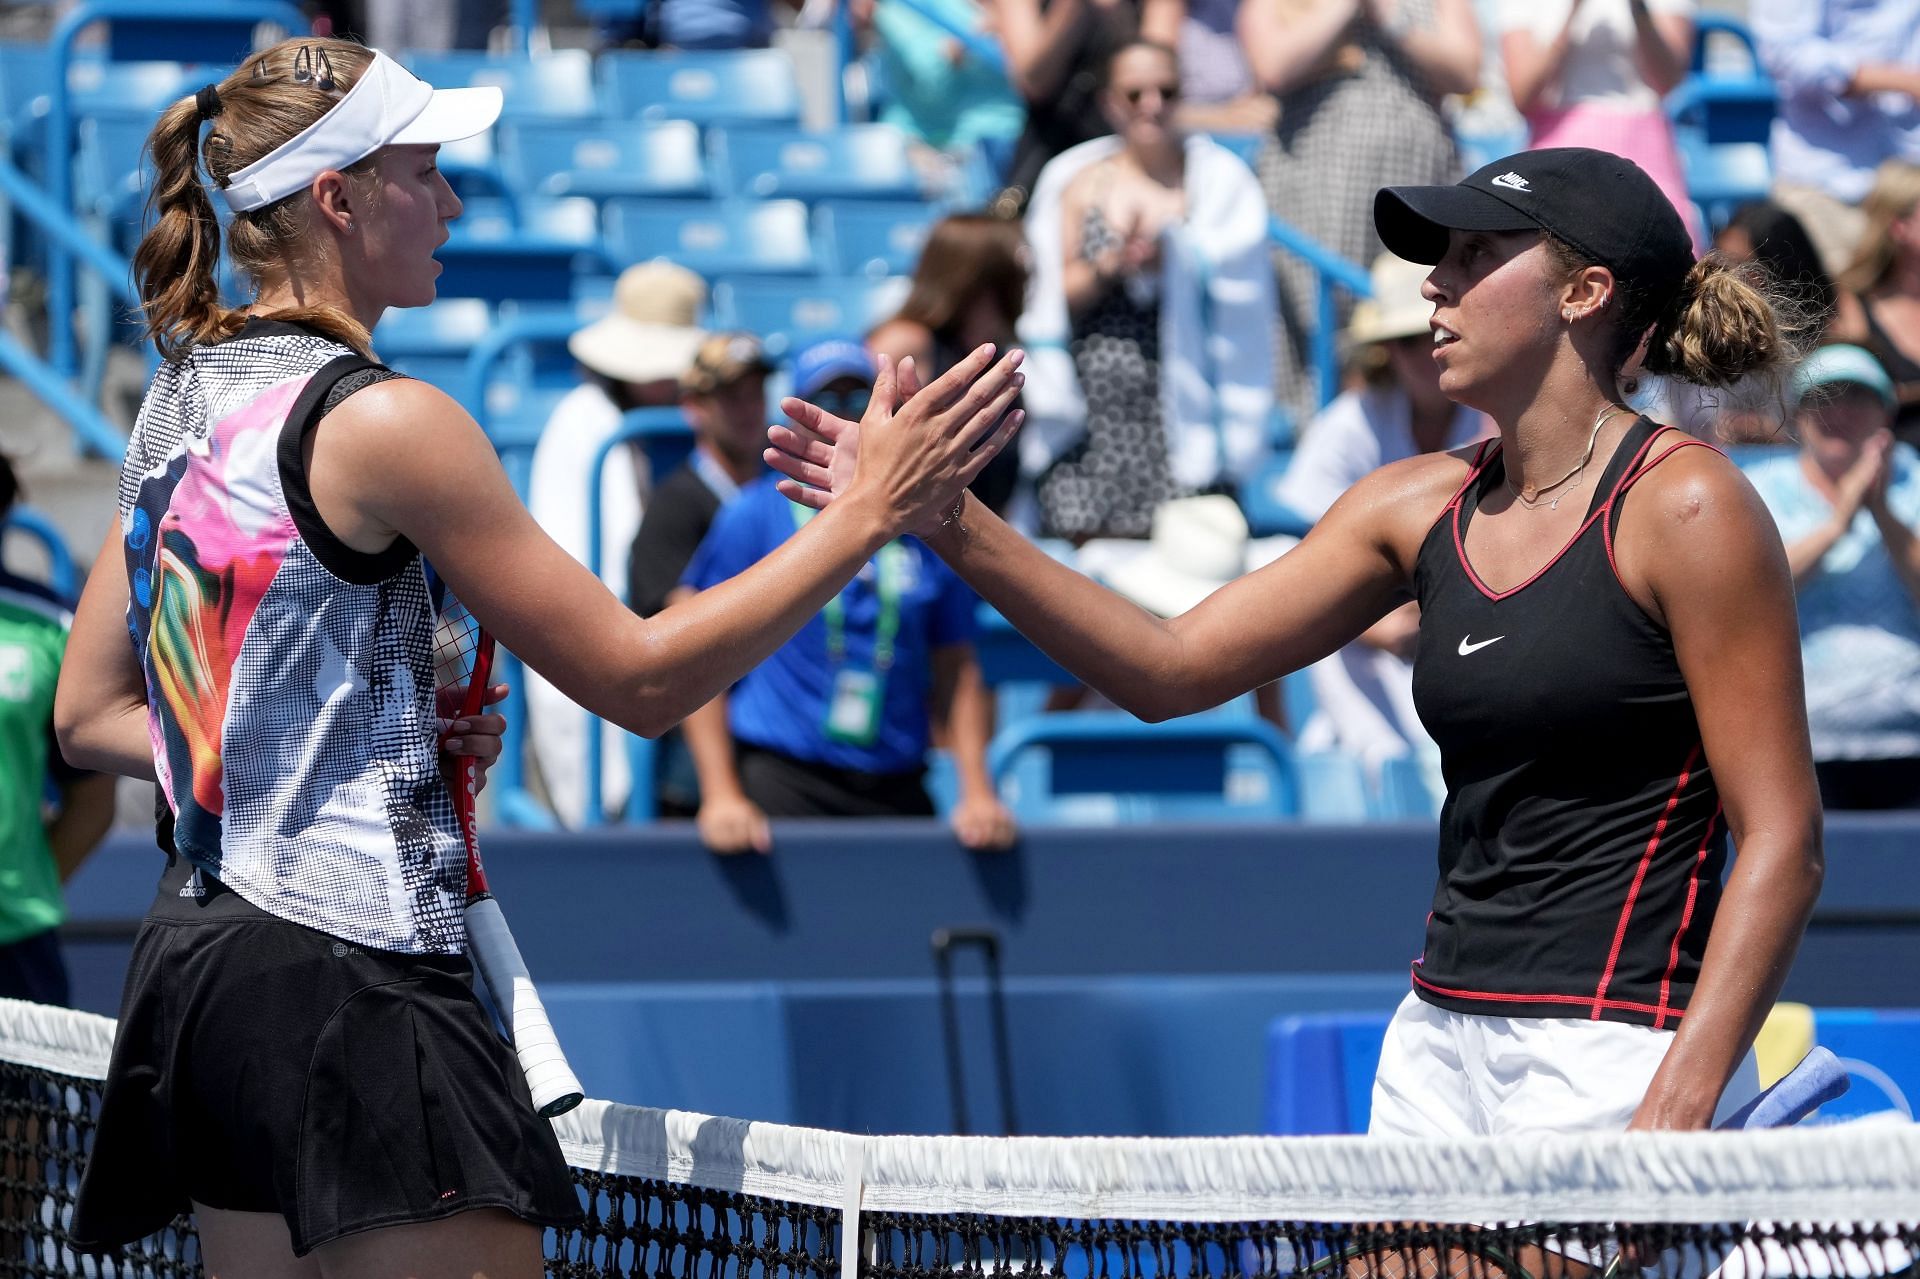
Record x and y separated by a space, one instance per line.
551 1081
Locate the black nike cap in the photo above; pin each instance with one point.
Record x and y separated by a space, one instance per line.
1603 205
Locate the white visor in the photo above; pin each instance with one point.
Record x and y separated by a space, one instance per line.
387 106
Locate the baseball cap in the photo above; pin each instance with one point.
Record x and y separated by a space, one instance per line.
828 360
387 106
722 360
1842 365
1603 205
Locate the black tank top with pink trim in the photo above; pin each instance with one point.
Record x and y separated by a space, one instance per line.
1581 845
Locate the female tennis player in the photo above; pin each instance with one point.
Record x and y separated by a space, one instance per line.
300 1056
1607 659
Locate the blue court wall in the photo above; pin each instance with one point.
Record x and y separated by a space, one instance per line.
1143 964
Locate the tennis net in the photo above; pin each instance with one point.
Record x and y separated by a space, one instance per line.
672 1195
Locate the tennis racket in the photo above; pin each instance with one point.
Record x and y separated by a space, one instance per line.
463 661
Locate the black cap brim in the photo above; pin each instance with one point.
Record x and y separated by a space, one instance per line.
1413 221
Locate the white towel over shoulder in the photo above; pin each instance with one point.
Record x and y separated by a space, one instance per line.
1216 320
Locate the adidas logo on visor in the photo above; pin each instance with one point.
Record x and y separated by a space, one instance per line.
1511 181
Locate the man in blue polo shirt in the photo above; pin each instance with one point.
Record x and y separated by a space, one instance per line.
837 723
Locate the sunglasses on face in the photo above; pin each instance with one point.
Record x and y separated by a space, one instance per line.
1168 94
851 405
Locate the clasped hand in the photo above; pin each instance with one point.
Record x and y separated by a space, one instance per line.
916 449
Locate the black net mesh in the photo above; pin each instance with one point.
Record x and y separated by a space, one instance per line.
643 1228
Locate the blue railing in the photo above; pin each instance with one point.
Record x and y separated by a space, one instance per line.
46 382
1331 271
61 355
62 575
642 427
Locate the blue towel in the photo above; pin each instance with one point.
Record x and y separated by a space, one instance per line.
1817 1080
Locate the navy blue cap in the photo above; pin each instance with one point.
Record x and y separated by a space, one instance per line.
1603 205
830 359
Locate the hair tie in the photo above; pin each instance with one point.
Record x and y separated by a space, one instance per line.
208 102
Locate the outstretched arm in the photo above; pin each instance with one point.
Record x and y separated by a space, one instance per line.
401 458
1715 573
1349 571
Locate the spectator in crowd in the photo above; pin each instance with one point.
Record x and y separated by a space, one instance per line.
432 26
1880 298
1846 503
1754 410
724 395
1152 272
969 287
944 90
38 852
1365 690
1848 72
1592 73
1359 84
1057 53
632 358
1217 89
838 721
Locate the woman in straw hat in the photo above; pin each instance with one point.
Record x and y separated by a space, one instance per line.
300 1057
1607 659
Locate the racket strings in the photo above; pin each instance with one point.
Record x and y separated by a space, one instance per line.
456 648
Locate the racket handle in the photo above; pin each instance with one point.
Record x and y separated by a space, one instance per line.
551 1081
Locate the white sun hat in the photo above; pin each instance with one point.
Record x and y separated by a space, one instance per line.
1397 308
1197 546
387 106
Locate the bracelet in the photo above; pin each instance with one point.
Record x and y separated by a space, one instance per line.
952 517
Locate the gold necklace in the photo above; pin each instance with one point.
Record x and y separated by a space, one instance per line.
1533 500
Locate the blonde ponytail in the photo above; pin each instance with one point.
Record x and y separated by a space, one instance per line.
175 264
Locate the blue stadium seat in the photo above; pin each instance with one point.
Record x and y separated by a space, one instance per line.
26 78
1728 95
606 158
1722 177
713 238
788 313
1320 1069
745 86
874 237
111 175
1333 789
132 88
472 166
533 253
867 161
432 342
555 85
1195 768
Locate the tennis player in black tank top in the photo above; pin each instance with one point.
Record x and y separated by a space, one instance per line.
1608 658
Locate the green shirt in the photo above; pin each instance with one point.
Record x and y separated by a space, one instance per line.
33 637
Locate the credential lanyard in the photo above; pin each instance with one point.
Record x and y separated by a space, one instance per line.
889 585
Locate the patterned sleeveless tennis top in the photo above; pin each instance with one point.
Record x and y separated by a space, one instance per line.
290 687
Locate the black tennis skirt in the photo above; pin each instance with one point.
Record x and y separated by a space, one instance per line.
262 1066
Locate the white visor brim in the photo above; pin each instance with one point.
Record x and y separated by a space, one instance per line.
387 105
